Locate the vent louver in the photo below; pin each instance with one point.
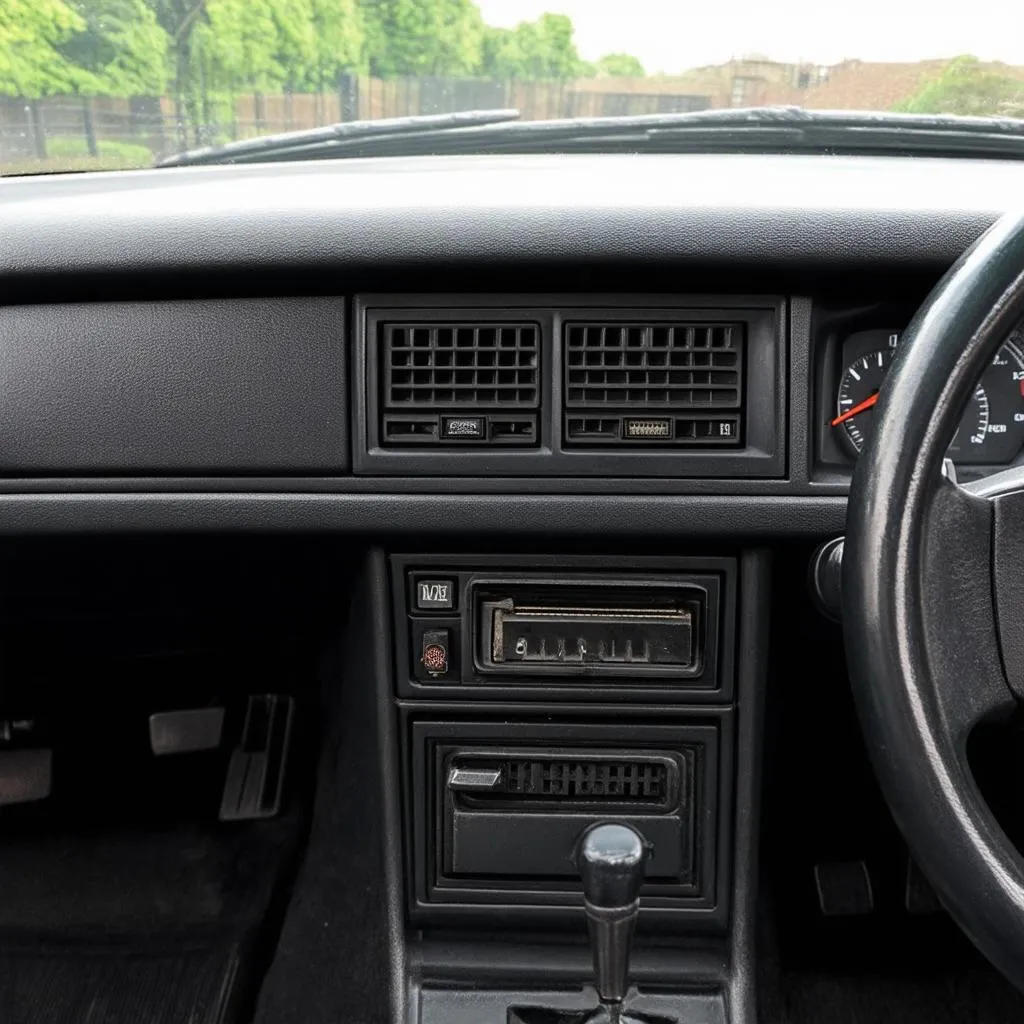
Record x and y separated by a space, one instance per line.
655 383
598 780
460 383
541 779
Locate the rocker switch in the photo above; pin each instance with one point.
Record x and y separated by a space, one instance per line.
435 595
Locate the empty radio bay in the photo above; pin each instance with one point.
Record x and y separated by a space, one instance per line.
556 626
594 636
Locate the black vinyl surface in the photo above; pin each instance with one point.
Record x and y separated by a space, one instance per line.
231 386
698 209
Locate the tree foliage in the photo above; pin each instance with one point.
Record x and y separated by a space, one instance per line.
339 41
119 48
238 44
423 37
31 34
541 49
967 86
619 65
210 50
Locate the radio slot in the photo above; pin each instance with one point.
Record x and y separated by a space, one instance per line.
609 626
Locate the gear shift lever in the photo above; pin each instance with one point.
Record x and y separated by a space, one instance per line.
611 863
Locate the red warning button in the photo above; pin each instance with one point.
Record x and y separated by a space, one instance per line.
434 653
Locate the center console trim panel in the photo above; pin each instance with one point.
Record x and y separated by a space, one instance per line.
713 685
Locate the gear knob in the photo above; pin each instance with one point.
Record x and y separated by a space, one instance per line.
611 862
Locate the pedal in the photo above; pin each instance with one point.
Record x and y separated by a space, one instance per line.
26 768
25 775
844 888
185 732
255 778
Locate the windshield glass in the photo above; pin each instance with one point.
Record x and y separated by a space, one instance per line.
109 84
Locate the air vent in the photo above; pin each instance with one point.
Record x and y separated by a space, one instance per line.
542 779
661 384
595 780
460 384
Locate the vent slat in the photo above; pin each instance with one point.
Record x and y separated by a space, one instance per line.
541 779
472 366
670 365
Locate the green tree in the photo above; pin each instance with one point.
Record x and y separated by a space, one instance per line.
423 37
966 86
181 20
339 41
223 48
31 34
501 56
619 65
541 49
239 46
120 48
554 52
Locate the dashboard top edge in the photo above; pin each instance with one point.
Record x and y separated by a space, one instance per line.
714 209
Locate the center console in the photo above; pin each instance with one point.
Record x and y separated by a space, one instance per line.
542 700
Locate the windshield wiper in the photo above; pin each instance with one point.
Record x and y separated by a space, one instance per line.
737 130
841 131
322 142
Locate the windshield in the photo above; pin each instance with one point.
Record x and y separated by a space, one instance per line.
109 84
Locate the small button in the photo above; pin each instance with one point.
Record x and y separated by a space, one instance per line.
434 654
435 595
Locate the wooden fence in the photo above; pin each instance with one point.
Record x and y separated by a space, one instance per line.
61 125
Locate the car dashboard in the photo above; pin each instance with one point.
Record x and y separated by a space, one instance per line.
507 471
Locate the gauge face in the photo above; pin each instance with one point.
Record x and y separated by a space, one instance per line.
991 431
1003 433
972 434
858 390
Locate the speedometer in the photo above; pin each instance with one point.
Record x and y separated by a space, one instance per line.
972 434
991 431
1003 430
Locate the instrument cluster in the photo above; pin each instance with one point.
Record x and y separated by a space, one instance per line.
991 431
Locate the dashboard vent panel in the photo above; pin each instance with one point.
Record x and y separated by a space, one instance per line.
654 383
460 384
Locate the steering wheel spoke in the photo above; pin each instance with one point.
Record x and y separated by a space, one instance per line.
958 611
1005 493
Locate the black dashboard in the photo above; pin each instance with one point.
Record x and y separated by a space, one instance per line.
217 346
553 440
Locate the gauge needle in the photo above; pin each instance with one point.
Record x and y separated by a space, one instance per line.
857 409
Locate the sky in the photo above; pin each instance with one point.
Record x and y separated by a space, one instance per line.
672 35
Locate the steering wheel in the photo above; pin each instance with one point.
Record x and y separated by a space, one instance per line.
933 597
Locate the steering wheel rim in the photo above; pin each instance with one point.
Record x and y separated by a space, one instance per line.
926 669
